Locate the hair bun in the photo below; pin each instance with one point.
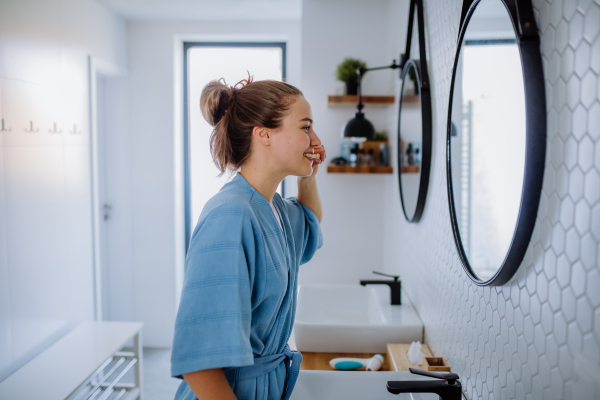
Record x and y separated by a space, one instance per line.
215 100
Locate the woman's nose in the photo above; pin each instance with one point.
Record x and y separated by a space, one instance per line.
314 140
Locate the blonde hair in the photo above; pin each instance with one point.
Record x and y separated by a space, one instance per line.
233 111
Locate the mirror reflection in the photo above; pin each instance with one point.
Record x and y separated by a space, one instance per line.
414 127
410 130
487 143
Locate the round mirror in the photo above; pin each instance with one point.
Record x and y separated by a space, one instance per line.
493 148
414 142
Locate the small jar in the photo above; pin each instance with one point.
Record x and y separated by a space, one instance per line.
384 155
361 158
353 157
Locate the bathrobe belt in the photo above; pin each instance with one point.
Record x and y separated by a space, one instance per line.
264 365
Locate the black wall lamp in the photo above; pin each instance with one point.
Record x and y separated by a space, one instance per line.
359 127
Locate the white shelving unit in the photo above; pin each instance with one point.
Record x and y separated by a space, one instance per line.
87 363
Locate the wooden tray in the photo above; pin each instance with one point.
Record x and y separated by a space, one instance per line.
398 361
435 364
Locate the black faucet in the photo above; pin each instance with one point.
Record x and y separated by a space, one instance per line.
447 386
394 286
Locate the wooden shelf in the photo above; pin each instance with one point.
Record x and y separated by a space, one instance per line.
352 100
381 101
320 361
377 169
410 169
341 169
394 360
411 99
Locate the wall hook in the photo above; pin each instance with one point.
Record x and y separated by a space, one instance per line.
54 130
74 131
31 128
4 128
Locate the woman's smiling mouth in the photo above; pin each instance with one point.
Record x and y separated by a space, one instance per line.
312 156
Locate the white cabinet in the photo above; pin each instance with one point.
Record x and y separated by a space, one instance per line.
43 116
3 126
46 274
35 223
75 118
91 358
5 351
78 228
31 111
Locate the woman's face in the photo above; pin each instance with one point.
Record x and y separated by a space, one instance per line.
295 138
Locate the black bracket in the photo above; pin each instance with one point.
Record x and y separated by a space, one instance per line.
521 14
418 4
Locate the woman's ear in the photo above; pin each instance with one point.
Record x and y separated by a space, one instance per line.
262 134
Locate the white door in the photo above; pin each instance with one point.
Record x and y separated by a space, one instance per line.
112 206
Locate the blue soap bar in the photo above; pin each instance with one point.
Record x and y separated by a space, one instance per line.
346 365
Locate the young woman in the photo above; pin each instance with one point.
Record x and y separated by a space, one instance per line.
241 274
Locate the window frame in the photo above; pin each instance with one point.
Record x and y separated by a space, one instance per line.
187 183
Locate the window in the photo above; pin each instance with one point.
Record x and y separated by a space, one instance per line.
204 62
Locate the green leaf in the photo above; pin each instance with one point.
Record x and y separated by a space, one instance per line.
346 70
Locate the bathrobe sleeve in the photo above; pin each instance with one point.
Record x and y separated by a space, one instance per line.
212 329
306 229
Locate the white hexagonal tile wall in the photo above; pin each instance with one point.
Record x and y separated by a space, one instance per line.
520 340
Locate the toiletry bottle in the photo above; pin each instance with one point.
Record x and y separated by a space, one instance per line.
353 157
410 154
383 154
371 158
345 150
401 154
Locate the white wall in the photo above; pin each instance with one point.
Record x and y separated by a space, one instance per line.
155 69
353 220
46 277
519 340
353 223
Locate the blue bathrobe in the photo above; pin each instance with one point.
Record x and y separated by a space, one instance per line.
238 301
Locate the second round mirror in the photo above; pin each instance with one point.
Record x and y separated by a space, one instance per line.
414 141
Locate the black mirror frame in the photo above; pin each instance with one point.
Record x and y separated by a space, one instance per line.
426 140
522 18
425 97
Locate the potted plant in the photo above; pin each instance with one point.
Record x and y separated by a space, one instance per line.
413 77
346 72
380 136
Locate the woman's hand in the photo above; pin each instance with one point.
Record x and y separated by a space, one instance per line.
318 150
307 186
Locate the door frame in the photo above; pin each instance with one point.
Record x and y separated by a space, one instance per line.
96 68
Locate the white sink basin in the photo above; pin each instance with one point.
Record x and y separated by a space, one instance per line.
354 385
352 319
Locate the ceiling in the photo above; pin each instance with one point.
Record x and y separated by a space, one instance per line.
206 10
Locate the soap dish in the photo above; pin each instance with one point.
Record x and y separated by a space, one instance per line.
434 364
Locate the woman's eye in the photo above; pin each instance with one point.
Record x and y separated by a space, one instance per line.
307 127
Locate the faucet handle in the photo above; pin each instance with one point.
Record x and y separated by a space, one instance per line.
449 376
389 276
